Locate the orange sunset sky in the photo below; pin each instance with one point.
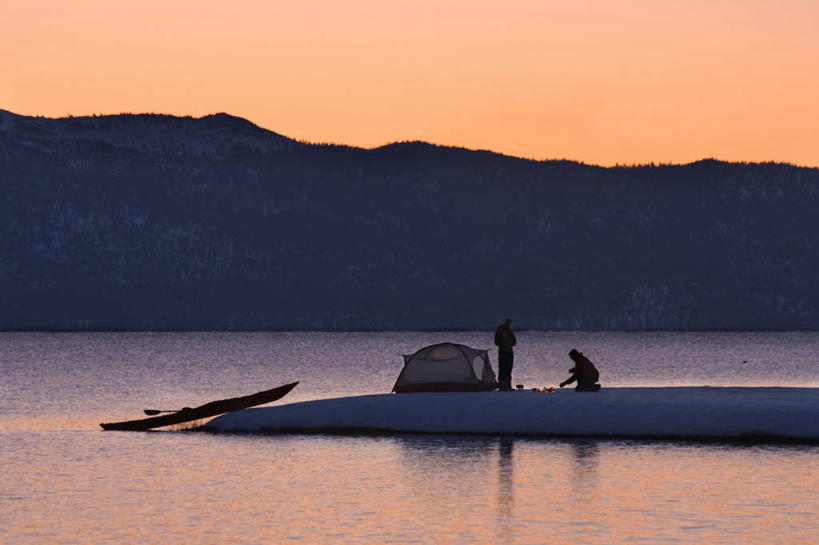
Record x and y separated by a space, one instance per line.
604 82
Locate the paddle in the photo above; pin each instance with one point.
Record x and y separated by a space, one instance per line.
152 412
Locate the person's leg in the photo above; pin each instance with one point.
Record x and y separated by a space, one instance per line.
504 371
504 378
585 386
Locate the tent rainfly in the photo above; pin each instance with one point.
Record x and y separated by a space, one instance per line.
446 367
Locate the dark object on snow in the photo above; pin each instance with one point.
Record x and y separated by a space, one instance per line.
203 411
584 372
505 341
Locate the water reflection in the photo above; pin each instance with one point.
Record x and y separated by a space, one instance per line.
586 453
506 487
452 471
586 522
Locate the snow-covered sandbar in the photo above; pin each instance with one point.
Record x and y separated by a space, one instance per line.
676 412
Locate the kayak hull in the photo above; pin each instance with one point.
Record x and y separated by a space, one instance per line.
207 410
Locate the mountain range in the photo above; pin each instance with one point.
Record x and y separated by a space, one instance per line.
157 222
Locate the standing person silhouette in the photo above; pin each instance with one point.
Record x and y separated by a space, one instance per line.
505 341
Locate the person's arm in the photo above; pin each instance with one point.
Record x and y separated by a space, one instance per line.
569 380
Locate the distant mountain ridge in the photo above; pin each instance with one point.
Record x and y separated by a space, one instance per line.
148 221
160 133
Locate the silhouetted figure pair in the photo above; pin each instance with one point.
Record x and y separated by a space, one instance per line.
584 372
505 341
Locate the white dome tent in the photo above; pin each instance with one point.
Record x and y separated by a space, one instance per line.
446 367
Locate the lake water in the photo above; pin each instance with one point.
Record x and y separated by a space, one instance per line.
65 481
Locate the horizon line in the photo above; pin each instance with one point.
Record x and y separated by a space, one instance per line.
649 164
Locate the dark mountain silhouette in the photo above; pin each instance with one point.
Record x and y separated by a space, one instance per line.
161 222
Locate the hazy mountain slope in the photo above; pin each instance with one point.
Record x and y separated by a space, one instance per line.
158 222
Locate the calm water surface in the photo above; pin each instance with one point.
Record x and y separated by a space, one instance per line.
64 481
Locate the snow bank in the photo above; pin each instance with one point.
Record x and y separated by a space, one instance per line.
687 412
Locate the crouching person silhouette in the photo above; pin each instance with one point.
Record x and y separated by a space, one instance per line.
584 372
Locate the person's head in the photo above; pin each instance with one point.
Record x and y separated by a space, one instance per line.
507 322
574 354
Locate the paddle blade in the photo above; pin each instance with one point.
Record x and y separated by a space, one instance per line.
151 412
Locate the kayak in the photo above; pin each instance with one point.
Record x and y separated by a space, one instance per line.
207 410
